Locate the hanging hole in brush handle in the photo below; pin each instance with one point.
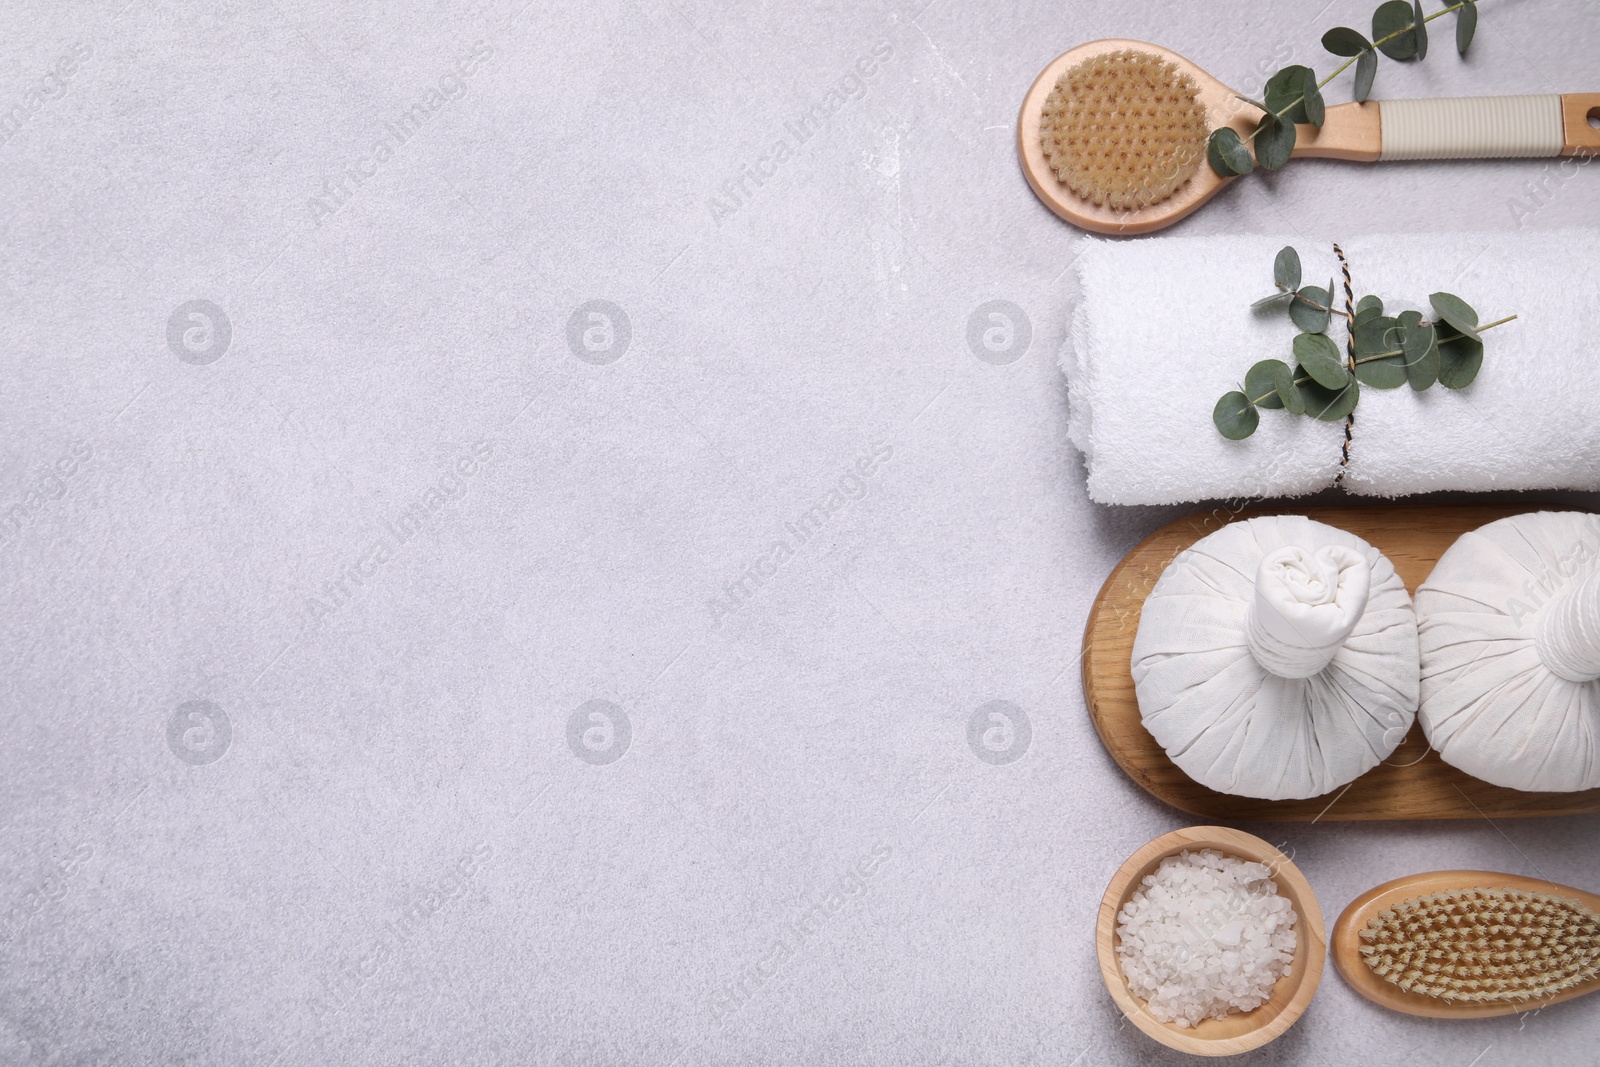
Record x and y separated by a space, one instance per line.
1580 114
1490 127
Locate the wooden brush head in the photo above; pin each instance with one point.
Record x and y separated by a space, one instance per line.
1071 114
1469 944
1482 945
1124 129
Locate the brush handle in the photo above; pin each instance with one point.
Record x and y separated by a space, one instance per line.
1474 127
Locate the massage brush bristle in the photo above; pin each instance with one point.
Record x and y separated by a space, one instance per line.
1124 129
1484 946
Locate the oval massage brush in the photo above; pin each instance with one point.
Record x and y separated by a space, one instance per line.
1113 133
1469 944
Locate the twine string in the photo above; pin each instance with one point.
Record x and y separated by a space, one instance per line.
1350 355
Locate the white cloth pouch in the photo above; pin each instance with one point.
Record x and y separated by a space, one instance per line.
1509 622
1277 658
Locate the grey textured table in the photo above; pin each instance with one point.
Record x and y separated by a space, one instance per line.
505 535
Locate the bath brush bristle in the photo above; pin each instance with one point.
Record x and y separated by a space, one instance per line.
1124 130
1484 946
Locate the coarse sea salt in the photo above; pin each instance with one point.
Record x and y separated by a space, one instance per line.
1204 936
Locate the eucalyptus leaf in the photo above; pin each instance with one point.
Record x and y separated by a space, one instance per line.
1235 417
1392 20
1425 371
1460 359
1466 25
1286 268
1252 103
1285 92
1316 107
1330 405
1386 373
1311 319
1319 357
1421 29
1456 311
1261 383
1368 307
1275 298
1421 347
1372 336
1289 392
1227 154
1280 89
1380 357
1366 70
1274 142
1343 41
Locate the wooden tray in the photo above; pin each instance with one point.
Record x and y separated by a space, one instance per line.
1413 783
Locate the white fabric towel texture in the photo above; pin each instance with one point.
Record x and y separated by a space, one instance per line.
1277 658
1510 635
1162 327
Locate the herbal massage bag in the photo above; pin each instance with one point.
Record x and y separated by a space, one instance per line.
1510 636
1277 658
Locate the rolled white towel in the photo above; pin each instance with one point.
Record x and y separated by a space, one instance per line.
1162 327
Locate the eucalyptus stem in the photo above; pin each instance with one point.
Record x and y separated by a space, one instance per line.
1342 68
1330 310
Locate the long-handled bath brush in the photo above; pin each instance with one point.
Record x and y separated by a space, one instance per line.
1113 133
1469 944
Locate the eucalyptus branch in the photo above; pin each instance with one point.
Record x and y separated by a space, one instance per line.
1391 36
1294 95
1386 352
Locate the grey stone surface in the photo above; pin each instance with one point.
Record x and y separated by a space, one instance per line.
514 556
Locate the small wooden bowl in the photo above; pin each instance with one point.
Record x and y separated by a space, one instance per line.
1241 1031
